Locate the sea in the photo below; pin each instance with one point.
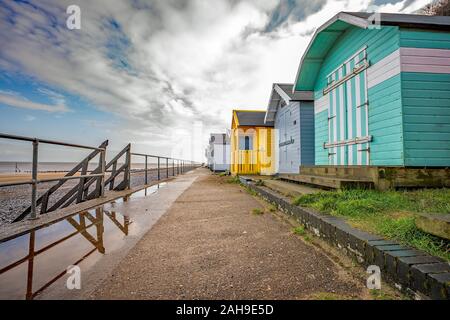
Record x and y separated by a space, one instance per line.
7 167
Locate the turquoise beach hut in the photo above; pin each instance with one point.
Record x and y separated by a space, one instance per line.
381 88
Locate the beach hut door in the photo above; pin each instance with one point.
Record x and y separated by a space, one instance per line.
348 130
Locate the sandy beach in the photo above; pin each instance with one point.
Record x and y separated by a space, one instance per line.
22 177
15 199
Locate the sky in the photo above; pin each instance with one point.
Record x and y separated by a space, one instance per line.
161 74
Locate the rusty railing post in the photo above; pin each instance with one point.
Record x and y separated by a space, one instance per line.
167 167
173 167
159 175
146 178
34 171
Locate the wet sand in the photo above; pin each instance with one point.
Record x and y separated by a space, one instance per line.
15 199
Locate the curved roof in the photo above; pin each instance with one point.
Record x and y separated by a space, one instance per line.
326 35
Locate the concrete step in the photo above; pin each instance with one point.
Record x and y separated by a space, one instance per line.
328 181
290 189
436 224
347 172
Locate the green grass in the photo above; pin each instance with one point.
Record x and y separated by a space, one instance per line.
329 296
234 179
249 190
257 211
387 213
380 295
300 230
225 173
259 183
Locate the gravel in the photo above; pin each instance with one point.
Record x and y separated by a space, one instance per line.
15 199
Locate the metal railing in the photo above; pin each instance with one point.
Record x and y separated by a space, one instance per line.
61 180
80 192
178 166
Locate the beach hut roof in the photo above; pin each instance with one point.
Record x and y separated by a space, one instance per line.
326 35
284 91
252 118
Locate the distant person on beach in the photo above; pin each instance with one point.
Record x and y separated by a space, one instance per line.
17 168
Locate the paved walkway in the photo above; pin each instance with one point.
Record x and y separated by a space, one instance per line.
209 245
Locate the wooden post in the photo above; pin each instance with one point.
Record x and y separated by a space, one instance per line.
34 171
82 181
167 167
103 170
128 170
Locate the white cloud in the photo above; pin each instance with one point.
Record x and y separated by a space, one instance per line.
182 61
18 101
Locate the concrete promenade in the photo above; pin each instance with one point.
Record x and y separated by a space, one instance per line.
209 245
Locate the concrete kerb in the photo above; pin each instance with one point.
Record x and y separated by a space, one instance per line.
400 265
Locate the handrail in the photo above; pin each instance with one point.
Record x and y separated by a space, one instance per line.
54 142
80 192
181 165
9 184
82 165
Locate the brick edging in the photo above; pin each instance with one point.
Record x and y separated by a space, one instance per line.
412 271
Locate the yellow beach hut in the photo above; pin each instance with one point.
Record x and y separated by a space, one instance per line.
252 143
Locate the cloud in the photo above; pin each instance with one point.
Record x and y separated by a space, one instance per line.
159 66
15 100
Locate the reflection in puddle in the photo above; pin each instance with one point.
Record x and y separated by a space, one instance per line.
33 262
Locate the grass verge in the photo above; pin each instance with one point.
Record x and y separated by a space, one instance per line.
234 179
387 213
257 212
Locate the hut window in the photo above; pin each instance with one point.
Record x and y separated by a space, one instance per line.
245 143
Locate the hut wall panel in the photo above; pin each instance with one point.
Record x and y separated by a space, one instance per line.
424 39
321 136
425 60
289 155
380 43
307 133
384 94
425 64
426 118
385 122
321 104
384 69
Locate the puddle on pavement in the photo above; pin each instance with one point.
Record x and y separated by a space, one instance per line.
38 260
